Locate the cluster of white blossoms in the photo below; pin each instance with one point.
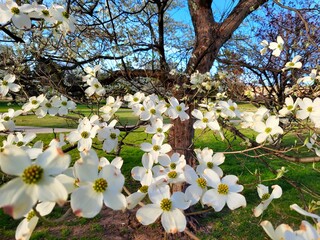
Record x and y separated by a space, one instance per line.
203 82
92 182
45 177
277 48
95 88
307 230
41 106
21 15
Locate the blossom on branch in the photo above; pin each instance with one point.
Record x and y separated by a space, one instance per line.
35 182
6 85
277 47
266 198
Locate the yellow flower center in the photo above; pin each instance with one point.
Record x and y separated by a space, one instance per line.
156 148
85 134
96 85
205 120
152 111
232 108
309 109
223 189
172 174
100 185
5 83
135 99
202 183
76 182
179 108
166 204
265 196
32 174
65 14
15 10
159 130
20 143
45 13
210 165
142 108
290 107
268 130
144 189
6 118
113 136
291 64
30 215
173 165
34 102
64 103
48 105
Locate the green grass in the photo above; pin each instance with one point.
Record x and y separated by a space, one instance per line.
124 116
238 224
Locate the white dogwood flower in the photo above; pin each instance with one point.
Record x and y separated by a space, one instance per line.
136 98
95 87
229 109
268 129
209 160
224 192
278 233
35 182
309 108
167 206
205 120
28 224
265 45
97 187
7 119
63 104
65 20
198 184
266 197
109 135
83 135
177 109
33 103
150 109
6 85
277 47
293 64
157 127
157 147
289 107
12 11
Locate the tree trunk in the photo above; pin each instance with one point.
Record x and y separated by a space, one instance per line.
181 138
210 37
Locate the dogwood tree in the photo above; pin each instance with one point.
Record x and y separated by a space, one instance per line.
44 175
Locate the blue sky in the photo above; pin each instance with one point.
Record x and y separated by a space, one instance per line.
218 7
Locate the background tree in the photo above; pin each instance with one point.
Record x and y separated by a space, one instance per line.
265 73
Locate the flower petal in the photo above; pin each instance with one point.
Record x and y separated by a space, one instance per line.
236 200
114 200
148 214
17 198
14 160
85 202
173 221
50 189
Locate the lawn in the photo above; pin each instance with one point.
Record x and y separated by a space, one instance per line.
238 224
